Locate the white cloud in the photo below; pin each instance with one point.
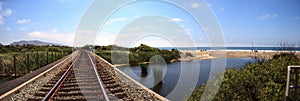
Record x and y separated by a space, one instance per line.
188 31
54 30
234 30
64 38
221 9
22 28
1 20
206 28
158 27
109 22
195 5
267 16
200 38
106 39
4 13
7 12
185 31
153 41
85 37
22 21
7 28
176 19
208 4
129 36
296 18
136 16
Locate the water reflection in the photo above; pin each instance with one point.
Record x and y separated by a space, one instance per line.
158 87
173 72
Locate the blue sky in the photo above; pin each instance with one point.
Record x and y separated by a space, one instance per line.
262 22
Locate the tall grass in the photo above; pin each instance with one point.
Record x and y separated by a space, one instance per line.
25 62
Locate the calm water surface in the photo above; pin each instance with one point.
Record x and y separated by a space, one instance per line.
174 71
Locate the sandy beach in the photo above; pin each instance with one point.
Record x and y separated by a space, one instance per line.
212 54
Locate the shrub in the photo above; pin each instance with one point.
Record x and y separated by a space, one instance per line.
136 55
188 54
263 81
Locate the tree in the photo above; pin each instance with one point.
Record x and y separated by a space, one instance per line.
188 54
145 48
1 47
139 54
54 49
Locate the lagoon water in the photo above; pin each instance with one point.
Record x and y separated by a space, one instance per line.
193 73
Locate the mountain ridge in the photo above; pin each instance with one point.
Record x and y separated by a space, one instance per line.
34 42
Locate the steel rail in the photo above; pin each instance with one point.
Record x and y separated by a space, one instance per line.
99 80
60 81
33 79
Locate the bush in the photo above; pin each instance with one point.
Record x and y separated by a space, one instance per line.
188 54
264 81
137 55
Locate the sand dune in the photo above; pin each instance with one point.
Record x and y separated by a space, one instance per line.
203 55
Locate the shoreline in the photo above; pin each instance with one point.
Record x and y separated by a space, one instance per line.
216 54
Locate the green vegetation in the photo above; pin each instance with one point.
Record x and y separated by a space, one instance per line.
31 48
264 80
188 54
28 58
135 55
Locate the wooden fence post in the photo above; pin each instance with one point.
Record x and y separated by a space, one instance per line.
15 68
52 56
47 58
37 59
28 63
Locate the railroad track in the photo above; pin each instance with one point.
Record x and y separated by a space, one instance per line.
88 77
82 80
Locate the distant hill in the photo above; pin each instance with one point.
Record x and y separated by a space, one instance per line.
34 42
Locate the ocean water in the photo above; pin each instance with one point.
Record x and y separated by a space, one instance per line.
229 48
